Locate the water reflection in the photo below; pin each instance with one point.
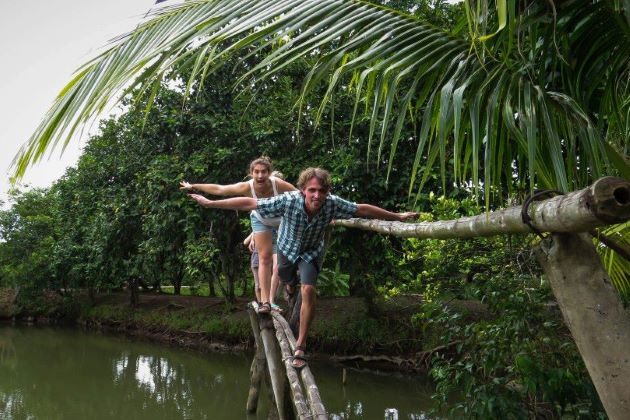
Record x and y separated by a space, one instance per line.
372 396
67 374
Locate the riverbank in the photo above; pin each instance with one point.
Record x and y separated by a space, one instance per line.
343 330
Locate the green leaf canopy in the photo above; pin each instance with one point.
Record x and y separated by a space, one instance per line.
544 97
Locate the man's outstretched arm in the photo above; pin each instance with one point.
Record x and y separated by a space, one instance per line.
369 211
236 203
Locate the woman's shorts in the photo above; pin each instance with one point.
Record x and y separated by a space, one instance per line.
258 227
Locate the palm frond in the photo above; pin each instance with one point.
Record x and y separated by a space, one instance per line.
617 267
518 98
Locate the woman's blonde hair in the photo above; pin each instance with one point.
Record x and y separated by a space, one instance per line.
263 160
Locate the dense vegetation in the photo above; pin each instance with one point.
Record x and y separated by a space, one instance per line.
117 220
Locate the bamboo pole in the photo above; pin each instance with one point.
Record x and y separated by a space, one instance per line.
594 313
605 202
297 393
273 409
274 363
257 368
312 391
256 372
260 353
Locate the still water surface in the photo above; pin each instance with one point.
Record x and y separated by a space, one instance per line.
53 373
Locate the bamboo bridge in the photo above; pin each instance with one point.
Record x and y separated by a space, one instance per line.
294 393
590 305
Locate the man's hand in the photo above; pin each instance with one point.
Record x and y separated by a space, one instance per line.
200 199
185 186
403 217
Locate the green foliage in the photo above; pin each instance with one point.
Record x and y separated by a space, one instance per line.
618 267
516 361
32 302
28 235
333 282
451 266
200 261
519 363
362 334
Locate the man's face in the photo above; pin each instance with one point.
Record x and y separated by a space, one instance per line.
314 195
260 173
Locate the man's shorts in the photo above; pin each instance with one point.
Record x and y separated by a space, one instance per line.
258 226
308 270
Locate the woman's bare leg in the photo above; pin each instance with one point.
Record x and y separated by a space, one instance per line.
265 263
275 280
256 283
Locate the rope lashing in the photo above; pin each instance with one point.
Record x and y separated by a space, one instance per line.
538 195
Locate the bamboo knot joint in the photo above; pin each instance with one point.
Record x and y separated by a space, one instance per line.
610 199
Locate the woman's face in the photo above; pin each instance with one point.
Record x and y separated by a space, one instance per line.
260 174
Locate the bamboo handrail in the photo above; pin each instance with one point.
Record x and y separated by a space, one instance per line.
605 202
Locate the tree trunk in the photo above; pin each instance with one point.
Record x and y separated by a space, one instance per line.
211 291
231 295
143 284
133 291
605 202
594 313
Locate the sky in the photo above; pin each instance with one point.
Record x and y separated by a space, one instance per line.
42 43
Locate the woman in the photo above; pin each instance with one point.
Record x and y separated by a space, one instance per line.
262 185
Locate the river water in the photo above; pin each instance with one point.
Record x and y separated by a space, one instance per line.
55 373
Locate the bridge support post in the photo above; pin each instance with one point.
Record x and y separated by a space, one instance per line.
257 370
276 369
594 313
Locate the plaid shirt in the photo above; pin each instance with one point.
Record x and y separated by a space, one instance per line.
300 237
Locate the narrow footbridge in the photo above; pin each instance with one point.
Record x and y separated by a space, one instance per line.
294 393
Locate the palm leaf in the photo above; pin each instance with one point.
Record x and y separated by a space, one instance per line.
528 95
617 267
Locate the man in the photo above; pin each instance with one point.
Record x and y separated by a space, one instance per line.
305 215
